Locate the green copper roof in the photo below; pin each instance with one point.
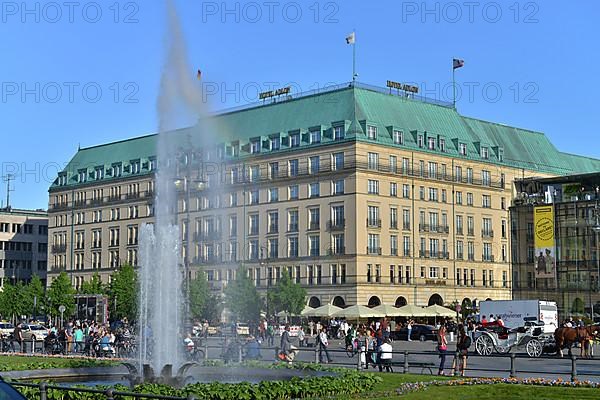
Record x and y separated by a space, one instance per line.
354 108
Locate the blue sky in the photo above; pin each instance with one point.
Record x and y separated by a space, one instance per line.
528 64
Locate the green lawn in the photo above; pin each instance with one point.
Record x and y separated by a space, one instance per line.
503 392
387 389
21 363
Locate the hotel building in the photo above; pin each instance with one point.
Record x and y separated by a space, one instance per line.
361 195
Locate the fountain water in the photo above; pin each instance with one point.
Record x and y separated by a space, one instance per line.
161 275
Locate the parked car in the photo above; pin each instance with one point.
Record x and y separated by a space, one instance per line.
242 329
34 332
419 332
6 328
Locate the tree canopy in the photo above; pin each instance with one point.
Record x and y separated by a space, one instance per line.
123 294
287 296
242 298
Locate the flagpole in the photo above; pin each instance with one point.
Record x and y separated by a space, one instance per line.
354 56
453 86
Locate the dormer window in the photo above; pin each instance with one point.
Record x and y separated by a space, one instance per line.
431 143
372 132
485 154
420 141
398 137
152 164
275 143
255 146
81 175
462 149
294 140
135 166
62 179
443 145
99 173
116 170
315 136
338 132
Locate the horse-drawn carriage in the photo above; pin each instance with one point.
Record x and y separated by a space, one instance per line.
502 340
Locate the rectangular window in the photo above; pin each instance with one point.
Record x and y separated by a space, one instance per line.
420 140
314 245
405 165
443 145
393 218
393 164
293 192
373 186
293 246
315 136
486 201
485 153
314 189
294 140
338 132
337 161
459 198
275 143
469 199
273 170
431 143
273 195
373 217
372 132
393 189
459 249
293 168
462 149
394 245
293 221
338 187
486 178
314 165
373 161
458 174
398 137
406 191
314 218
406 246
255 146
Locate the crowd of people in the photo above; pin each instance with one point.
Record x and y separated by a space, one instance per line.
74 337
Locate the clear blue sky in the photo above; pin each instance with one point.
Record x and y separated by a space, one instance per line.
546 49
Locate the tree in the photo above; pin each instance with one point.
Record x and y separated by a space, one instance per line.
199 294
242 298
11 300
93 286
287 296
34 295
123 294
59 293
213 308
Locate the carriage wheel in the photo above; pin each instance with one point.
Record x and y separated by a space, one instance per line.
484 345
534 348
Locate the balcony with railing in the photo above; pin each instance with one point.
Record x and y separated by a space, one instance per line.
336 224
373 223
314 226
442 255
434 228
374 250
487 257
487 233
59 248
336 251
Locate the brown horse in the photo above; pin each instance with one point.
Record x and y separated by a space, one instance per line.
566 337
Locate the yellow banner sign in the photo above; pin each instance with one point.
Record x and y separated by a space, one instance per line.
543 226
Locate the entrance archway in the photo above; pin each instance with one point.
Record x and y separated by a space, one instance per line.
374 301
314 302
400 301
338 301
435 299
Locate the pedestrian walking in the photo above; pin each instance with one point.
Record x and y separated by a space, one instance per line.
442 348
323 344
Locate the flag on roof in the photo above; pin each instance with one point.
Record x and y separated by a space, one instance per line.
351 38
456 63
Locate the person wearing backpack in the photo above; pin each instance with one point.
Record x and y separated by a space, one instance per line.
462 347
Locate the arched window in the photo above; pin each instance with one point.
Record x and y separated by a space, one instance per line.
400 301
374 301
435 299
314 302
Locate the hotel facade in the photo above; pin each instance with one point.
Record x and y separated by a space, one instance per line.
362 196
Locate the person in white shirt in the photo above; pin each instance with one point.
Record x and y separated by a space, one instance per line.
385 356
323 343
491 319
